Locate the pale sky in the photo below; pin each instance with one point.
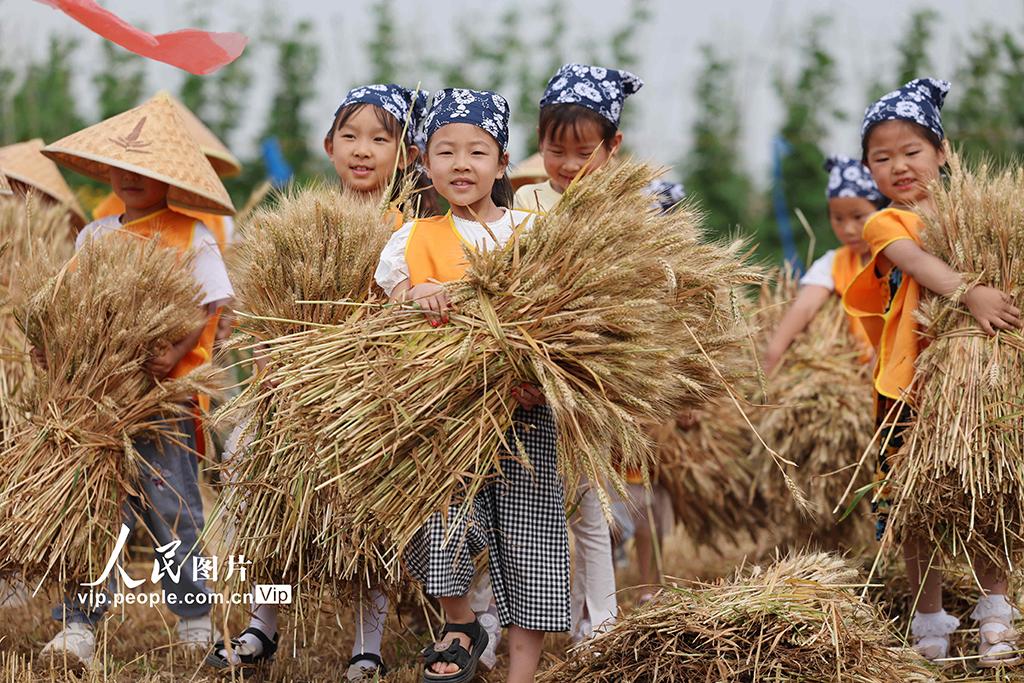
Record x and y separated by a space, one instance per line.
756 33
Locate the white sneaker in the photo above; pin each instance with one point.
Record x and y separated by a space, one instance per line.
489 622
76 645
583 630
197 633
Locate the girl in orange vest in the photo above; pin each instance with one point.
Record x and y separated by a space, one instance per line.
902 145
520 516
372 135
852 197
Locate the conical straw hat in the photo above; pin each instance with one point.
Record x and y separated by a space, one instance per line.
5 188
153 141
23 162
224 162
528 171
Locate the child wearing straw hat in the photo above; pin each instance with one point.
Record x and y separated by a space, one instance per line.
852 196
519 515
371 144
153 164
30 172
901 140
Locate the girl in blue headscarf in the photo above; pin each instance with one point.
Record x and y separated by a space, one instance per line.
372 146
520 514
852 198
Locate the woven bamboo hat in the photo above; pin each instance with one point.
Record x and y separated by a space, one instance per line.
23 162
153 141
223 161
5 188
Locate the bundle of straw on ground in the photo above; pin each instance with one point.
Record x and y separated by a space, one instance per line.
613 311
797 621
823 423
305 261
68 465
959 479
29 230
706 470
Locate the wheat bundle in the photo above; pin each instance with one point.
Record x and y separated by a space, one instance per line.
30 230
823 422
601 303
706 470
959 479
796 620
305 261
69 465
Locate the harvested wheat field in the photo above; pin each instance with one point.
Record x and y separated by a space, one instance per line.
139 639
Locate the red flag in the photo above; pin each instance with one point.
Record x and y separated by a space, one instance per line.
200 52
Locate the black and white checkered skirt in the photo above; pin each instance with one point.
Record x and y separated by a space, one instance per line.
520 516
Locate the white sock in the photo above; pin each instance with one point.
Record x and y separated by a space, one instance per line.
373 613
263 618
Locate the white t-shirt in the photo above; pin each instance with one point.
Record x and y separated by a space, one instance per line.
820 272
208 269
393 268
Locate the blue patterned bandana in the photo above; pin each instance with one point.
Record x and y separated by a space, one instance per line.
400 102
666 195
849 178
600 89
485 109
919 101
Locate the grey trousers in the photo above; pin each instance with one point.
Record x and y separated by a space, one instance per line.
171 509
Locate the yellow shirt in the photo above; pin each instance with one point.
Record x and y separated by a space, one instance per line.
539 197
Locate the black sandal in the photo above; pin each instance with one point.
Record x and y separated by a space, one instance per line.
248 663
380 672
455 653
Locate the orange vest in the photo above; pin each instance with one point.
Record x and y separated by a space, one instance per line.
177 231
113 206
845 267
434 251
868 295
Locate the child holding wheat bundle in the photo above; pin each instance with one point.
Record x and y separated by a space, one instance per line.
151 161
371 145
520 515
902 145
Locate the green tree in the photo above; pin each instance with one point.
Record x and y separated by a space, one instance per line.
298 61
713 166
121 84
44 104
807 101
383 49
978 117
912 51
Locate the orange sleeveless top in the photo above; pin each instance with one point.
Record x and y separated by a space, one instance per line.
113 206
434 251
845 267
869 298
176 230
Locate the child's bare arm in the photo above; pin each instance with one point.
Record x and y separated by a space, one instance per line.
158 367
806 305
431 296
990 307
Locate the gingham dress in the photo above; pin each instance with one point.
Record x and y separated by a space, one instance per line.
520 516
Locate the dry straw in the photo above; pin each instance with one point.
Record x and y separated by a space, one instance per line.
600 303
706 470
959 479
69 465
823 422
32 230
795 621
305 261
